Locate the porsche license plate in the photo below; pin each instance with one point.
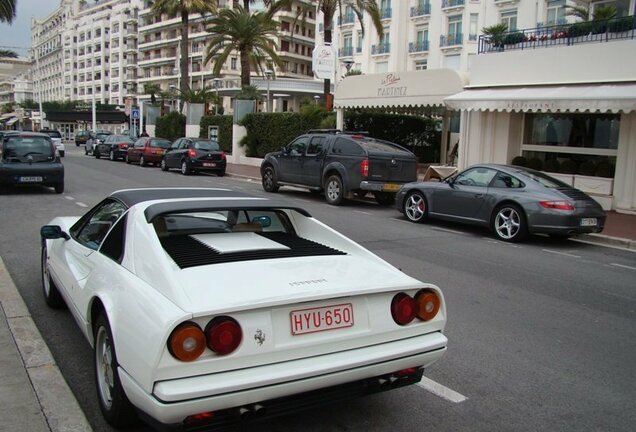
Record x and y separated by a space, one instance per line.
320 319
209 164
31 179
588 222
390 187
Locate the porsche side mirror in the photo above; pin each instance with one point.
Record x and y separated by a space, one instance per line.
52 232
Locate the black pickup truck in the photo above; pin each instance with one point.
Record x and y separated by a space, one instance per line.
342 164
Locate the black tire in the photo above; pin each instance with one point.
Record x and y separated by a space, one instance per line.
52 296
113 402
508 223
86 151
334 190
185 168
96 153
269 180
142 161
111 155
415 207
221 173
127 159
59 188
384 198
163 165
62 153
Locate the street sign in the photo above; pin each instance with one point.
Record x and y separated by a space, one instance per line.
134 113
324 61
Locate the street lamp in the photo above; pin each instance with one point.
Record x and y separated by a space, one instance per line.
217 81
316 99
268 74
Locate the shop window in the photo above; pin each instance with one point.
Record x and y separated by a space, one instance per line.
587 131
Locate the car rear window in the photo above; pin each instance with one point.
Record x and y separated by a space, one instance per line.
102 136
544 179
382 146
206 145
122 138
26 146
223 221
52 133
346 146
160 143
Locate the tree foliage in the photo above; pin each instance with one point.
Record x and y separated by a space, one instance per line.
171 126
7 10
224 122
8 53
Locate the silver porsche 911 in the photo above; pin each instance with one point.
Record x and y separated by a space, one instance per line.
513 201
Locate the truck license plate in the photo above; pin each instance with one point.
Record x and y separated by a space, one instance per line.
30 179
391 187
320 319
588 222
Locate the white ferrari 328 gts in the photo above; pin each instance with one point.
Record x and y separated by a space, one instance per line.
206 307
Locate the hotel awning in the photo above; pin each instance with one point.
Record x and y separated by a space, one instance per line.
399 89
612 98
11 121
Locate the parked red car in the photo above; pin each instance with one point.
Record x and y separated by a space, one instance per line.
148 151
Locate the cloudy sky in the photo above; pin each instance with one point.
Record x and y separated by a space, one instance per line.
17 36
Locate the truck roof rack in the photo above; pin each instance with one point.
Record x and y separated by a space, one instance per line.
337 131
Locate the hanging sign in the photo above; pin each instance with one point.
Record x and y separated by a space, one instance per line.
324 61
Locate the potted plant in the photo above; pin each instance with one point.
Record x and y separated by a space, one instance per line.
495 35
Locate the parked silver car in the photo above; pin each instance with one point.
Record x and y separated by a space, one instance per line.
94 140
513 201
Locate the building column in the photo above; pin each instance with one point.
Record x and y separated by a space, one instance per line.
625 175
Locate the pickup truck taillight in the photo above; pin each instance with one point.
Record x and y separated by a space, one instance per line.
364 168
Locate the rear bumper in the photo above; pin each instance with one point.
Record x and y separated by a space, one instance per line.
566 224
199 165
172 401
11 175
390 187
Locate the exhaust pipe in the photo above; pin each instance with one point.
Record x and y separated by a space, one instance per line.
260 411
246 413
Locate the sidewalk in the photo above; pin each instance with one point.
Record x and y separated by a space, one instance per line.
33 393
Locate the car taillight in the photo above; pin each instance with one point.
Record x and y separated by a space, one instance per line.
192 153
557 205
364 168
123 146
223 335
222 155
403 308
186 342
427 303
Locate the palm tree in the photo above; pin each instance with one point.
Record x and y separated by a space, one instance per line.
583 11
329 9
251 34
152 89
7 10
8 53
184 8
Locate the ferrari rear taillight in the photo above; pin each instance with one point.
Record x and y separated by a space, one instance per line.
364 168
192 153
223 335
425 306
186 342
557 205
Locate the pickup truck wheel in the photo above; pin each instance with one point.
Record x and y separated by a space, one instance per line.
384 198
269 180
333 190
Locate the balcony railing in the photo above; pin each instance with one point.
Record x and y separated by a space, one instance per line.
386 13
384 48
452 3
558 35
451 40
416 47
345 51
421 10
347 18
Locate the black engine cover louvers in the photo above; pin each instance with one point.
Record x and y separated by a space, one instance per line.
189 252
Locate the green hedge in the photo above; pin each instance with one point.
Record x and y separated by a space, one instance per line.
171 126
267 132
421 135
224 122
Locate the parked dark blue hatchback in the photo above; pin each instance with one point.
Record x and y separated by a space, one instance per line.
29 158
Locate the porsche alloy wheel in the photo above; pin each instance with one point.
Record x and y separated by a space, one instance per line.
509 223
269 180
113 401
415 207
52 296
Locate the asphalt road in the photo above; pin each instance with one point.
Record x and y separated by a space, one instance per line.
541 334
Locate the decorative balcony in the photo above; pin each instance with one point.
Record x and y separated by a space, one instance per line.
453 4
421 10
451 40
560 35
386 13
379 49
345 51
346 19
418 47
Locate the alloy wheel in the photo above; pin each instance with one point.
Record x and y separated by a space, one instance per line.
508 223
415 207
104 366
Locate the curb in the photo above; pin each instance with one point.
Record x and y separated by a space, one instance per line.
57 403
605 240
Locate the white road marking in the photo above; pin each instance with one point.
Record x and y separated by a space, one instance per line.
401 220
442 391
623 266
81 204
363 212
70 198
304 200
561 253
501 243
448 230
